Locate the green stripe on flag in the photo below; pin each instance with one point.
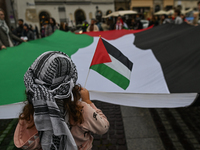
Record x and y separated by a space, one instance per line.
112 75
14 61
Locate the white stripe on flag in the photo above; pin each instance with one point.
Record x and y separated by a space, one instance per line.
119 67
126 99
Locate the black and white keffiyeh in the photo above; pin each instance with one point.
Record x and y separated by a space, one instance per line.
4 26
52 76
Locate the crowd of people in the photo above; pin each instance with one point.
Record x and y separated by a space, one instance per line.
25 32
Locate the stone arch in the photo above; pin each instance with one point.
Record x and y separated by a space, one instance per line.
108 12
79 16
44 17
121 8
157 8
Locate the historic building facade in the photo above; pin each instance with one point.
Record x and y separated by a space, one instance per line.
186 4
122 5
72 11
152 6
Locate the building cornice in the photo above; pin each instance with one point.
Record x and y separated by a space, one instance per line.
72 2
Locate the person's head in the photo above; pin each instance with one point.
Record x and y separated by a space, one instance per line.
163 17
133 21
52 21
137 16
2 14
119 18
177 12
195 14
183 16
30 26
20 22
62 24
44 24
26 26
198 4
93 21
85 22
53 76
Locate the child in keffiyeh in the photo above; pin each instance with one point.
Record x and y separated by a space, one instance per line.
54 108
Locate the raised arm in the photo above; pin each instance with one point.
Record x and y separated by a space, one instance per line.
94 119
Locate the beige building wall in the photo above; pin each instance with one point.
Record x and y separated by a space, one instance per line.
168 3
186 4
141 3
120 5
26 10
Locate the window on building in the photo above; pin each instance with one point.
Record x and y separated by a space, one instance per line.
44 17
121 9
141 9
179 7
62 14
168 8
157 8
90 15
79 16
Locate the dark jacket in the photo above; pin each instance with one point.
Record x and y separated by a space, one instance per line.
29 34
4 38
50 29
18 31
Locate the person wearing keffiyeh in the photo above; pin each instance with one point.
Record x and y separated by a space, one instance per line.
61 110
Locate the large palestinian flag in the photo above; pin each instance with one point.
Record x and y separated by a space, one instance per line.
165 68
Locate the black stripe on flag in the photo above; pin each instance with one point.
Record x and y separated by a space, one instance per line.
177 49
118 55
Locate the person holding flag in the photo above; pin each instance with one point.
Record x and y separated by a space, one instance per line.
54 108
120 24
6 36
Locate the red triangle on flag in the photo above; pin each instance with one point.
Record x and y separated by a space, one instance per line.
101 55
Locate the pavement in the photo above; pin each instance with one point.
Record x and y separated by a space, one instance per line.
140 130
135 129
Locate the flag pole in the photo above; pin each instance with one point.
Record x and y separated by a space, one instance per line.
86 78
89 71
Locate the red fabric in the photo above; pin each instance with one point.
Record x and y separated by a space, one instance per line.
101 55
114 34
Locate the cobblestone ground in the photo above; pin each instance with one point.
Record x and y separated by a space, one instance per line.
179 129
113 140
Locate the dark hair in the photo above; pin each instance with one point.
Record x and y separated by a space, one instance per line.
2 10
198 2
165 15
27 26
178 12
44 23
72 107
54 21
21 20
